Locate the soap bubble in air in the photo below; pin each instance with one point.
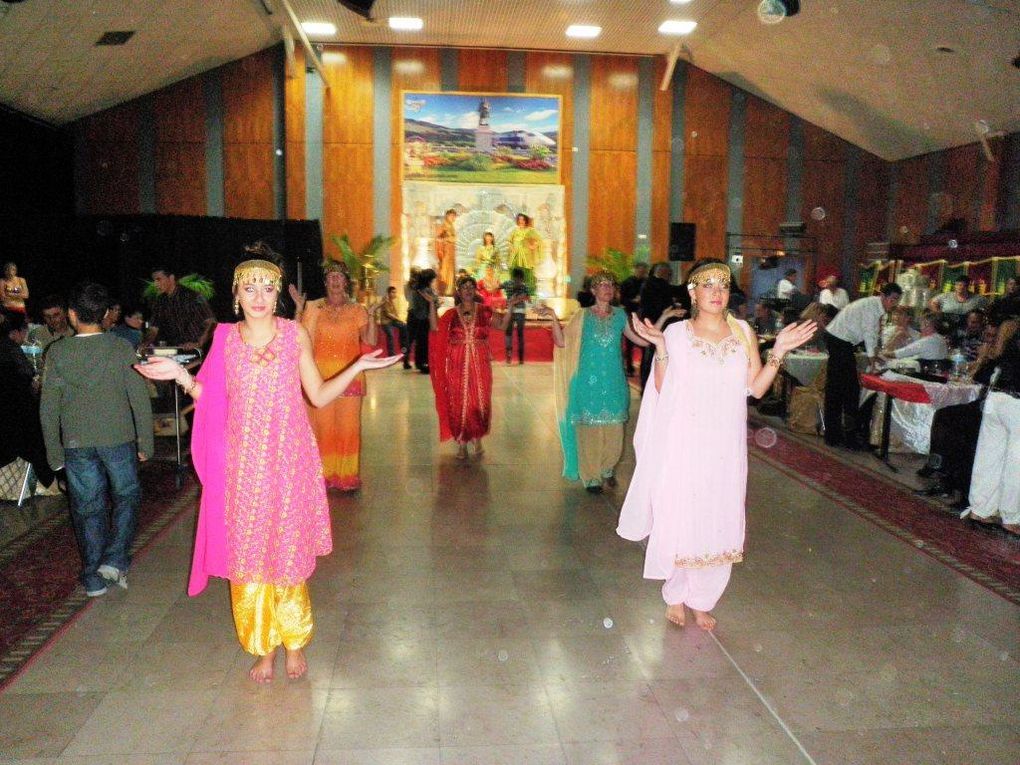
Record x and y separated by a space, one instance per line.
682 715
880 54
607 623
771 12
766 438
502 656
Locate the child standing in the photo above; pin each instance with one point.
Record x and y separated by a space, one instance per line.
97 422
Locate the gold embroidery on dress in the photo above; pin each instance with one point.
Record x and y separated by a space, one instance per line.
718 351
710 559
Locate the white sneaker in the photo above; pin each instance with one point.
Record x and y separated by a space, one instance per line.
113 575
96 593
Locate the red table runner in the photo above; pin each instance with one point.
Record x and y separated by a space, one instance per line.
904 391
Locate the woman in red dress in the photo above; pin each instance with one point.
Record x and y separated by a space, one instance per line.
461 366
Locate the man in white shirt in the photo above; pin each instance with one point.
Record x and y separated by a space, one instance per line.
785 288
833 294
857 323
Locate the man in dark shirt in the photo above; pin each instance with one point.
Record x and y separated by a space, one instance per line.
1007 306
180 317
657 294
20 430
630 301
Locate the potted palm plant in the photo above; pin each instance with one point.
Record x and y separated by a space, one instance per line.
366 264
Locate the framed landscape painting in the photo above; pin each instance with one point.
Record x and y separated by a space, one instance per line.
480 137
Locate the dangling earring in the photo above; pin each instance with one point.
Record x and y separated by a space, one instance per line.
237 307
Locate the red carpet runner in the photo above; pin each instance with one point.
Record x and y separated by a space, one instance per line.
39 588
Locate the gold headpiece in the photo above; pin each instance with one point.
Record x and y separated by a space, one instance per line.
258 272
602 277
332 265
709 275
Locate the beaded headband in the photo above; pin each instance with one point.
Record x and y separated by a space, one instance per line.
602 277
332 265
709 275
258 272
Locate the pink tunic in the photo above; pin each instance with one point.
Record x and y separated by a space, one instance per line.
688 490
276 513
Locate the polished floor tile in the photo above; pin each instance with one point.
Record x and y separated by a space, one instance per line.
486 612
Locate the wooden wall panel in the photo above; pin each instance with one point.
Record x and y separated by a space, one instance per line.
294 131
662 141
179 115
347 196
910 208
766 145
346 193
483 70
248 151
111 160
411 69
822 145
766 131
611 200
706 146
553 73
706 115
963 184
825 187
614 103
872 207
347 107
705 182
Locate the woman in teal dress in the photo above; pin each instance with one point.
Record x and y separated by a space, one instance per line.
525 245
592 396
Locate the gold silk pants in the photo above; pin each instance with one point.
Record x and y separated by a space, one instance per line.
266 615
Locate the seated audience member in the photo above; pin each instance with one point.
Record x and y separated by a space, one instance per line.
930 346
765 320
113 316
1007 306
897 331
584 296
958 303
994 494
832 294
969 336
55 326
821 314
131 327
786 288
737 303
20 431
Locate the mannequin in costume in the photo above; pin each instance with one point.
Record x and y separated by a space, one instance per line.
524 246
263 517
461 366
489 271
338 327
13 289
687 493
592 395
446 251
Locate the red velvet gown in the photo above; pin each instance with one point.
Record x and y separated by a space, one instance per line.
461 369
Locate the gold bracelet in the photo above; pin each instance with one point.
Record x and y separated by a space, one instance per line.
773 360
663 357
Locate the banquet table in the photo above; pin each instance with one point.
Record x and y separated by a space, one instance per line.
914 403
805 366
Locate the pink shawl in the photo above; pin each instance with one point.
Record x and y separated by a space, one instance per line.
209 455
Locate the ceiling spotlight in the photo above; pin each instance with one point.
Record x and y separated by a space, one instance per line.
677 27
406 23
318 28
583 31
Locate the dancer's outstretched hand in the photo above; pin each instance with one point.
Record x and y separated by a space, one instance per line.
374 361
794 335
159 368
646 330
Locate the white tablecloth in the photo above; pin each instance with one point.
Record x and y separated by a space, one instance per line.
805 366
911 423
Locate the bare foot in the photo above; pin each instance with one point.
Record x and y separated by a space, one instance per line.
676 614
262 670
462 451
297 664
479 451
704 620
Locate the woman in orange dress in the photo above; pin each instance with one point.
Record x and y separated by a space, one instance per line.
338 326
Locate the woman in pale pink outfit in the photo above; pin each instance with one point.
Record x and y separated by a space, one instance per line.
263 517
687 493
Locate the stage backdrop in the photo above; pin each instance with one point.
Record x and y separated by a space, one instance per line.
494 138
482 208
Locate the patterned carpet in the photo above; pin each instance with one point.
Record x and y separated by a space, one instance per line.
988 555
39 588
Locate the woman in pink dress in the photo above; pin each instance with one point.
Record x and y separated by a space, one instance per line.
263 517
687 493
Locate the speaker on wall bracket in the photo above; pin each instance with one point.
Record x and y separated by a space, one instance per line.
361 7
681 240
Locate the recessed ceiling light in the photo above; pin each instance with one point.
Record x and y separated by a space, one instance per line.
406 23
584 31
679 2
675 27
318 27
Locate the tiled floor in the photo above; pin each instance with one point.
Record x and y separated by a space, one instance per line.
487 613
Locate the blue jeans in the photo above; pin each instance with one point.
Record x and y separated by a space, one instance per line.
395 333
517 321
96 477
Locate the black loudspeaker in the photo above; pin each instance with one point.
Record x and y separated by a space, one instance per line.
681 241
360 7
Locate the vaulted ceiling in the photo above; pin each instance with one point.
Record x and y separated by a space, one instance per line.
866 70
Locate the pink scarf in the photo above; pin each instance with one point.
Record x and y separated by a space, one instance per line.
209 455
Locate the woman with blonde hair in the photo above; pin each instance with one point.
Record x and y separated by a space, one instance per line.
263 516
